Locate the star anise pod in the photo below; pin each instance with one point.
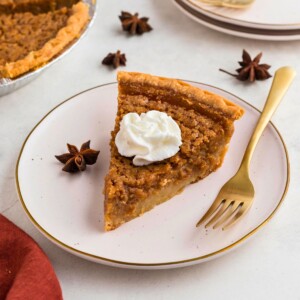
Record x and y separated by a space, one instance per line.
133 24
77 160
115 59
251 69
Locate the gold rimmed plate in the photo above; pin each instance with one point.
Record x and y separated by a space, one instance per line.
68 209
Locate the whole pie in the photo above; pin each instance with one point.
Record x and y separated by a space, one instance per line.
206 124
32 32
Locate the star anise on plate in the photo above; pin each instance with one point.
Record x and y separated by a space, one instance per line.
115 59
251 69
76 160
133 24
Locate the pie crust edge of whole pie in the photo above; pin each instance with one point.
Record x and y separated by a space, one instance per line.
36 59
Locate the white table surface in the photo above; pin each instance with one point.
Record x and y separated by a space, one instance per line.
268 266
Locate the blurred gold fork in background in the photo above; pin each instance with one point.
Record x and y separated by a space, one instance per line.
229 3
236 196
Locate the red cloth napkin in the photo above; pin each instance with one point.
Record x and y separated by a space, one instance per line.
25 271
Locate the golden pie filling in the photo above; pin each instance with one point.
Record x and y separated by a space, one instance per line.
206 124
33 6
29 40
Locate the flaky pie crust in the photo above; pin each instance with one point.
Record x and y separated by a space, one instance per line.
194 96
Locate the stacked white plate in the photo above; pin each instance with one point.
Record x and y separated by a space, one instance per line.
274 20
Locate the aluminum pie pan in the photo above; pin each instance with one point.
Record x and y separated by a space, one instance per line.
10 85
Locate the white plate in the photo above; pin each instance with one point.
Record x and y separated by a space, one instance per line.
267 14
224 26
68 209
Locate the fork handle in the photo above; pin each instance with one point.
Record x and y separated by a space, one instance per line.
281 82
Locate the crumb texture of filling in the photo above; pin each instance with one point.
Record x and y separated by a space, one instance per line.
205 133
33 32
21 33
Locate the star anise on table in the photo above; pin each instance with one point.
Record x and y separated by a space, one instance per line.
115 59
133 24
77 160
251 69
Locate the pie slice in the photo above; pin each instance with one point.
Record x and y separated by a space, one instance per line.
206 123
29 40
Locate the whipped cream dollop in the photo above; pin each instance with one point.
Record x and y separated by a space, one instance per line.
149 137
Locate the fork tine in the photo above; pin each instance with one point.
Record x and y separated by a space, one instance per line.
230 211
219 213
240 213
211 210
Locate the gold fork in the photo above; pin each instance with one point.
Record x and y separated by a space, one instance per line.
236 196
229 3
